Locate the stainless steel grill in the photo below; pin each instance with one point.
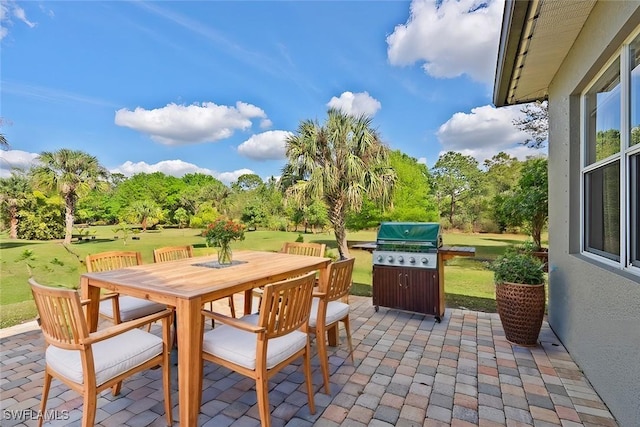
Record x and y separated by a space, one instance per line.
406 268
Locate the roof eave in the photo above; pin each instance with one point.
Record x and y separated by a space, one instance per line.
513 24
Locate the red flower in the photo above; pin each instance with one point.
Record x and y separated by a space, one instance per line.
222 231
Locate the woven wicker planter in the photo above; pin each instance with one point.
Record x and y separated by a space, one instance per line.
521 310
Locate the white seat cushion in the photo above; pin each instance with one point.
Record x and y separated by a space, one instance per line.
336 310
112 356
131 308
239 347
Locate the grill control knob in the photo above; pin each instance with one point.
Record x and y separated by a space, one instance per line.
400 259
380 258
390 258
412 260
424 261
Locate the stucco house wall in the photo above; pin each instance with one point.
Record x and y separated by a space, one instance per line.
594 309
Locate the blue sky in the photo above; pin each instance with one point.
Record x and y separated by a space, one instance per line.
216 86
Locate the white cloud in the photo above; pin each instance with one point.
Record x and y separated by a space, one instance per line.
15 159
356 104
265 124
422 161
177 168
485 132
229 177
19 13
269 145
186 124
452 37
9 11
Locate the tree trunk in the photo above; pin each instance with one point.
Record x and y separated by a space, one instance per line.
13 228
452 209
144 224
69 207
537 224
337 219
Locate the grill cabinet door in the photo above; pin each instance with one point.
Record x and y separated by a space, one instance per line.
422 290
387 286
411 289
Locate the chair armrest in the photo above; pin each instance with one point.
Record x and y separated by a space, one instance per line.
114 330
319 294
103 297
232 321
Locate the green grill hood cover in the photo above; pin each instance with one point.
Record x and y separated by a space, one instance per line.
418 232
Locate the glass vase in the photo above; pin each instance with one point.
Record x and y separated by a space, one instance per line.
225 256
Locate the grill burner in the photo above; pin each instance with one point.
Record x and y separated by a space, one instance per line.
406 259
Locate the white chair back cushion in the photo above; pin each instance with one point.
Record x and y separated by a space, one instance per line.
239 347
336 310
131 307
112 356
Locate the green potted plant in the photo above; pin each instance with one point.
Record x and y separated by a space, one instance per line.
520 296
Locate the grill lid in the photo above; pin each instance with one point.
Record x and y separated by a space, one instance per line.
424 234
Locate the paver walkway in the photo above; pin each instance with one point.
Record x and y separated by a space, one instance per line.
408 371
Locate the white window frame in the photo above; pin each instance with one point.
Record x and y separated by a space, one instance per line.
623 157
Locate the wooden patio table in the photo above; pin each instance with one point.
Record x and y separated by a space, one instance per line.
186 286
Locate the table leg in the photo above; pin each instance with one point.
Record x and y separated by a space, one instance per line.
92 309
189 360
248 301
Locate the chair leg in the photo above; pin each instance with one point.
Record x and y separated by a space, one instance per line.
174 342
347 328
307 374
166 383
262 390
232 306
166 366
321 341
45 396
115 389
89 409
213 323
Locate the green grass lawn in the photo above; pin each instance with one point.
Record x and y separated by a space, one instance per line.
468 283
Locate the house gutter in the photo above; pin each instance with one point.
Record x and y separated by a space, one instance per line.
513 29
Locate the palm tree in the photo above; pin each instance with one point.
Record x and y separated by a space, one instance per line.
144 211
13 192
71 173
340 162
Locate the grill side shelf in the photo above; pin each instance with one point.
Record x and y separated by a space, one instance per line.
447 252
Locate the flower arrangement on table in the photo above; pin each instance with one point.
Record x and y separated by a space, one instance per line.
220 234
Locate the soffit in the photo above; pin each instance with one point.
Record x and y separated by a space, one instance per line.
544 38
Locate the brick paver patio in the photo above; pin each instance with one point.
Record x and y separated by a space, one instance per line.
408 371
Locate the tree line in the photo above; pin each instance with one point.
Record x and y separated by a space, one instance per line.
339 176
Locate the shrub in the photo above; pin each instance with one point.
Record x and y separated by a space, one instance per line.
517 267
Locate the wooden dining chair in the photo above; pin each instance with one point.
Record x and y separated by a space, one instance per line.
172 253
260 345
121 308
296 248
301 248
91 362
327 310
